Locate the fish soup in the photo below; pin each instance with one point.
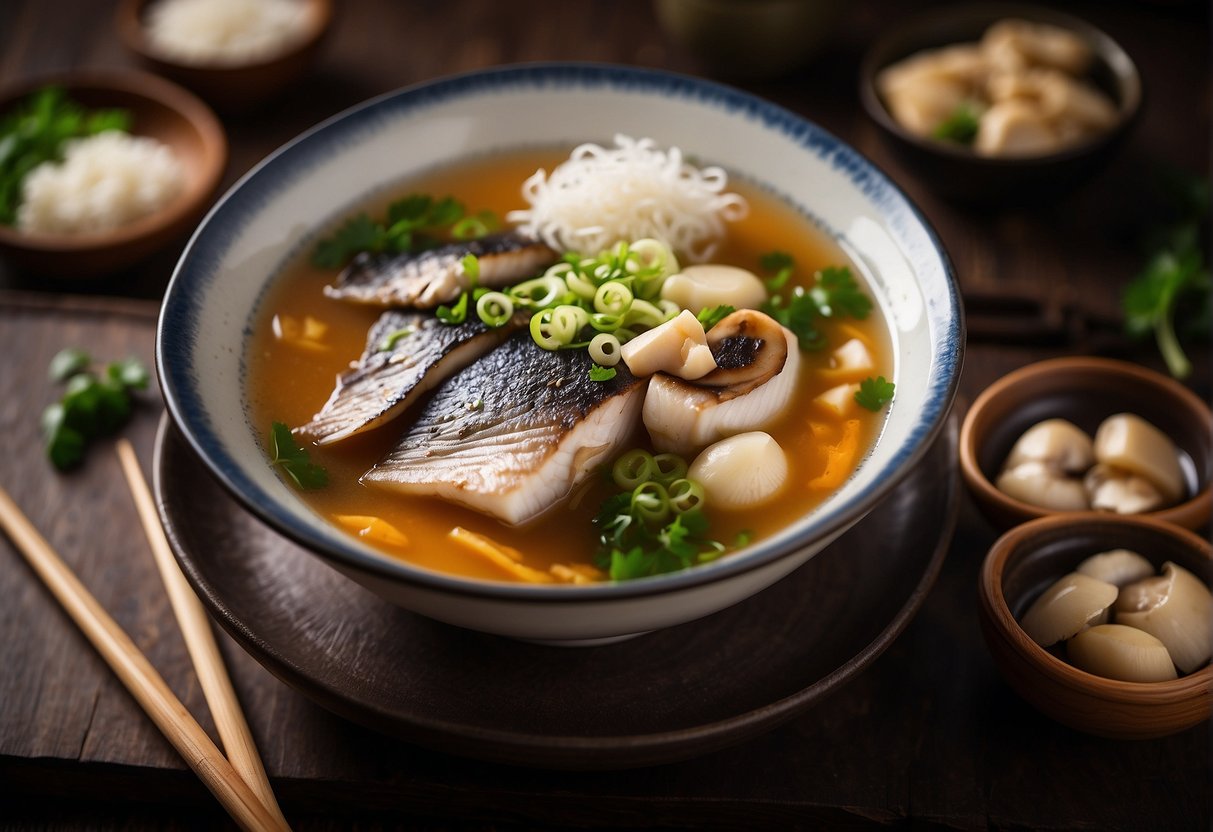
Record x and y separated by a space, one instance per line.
303 338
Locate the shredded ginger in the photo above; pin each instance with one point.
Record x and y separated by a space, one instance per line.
600 196
104 181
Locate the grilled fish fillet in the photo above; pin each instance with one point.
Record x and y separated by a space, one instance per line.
514 433
407 353
434 277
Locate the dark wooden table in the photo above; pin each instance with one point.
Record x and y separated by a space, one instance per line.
928 736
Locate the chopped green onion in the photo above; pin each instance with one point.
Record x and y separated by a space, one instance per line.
613 298
538 293
604 349
471 268
685 495
633 469
456 314
495 308
669 467
650 502
389 343
598 373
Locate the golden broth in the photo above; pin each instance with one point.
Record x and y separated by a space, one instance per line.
289 384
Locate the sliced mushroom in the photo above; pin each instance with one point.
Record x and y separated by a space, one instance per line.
1113 489
679 347
749 348
1036 44
1040 484
702 287
742 471
1130 443
1067 607
1115 651
1015 128
684 417
1056 442
1177 609
1117 567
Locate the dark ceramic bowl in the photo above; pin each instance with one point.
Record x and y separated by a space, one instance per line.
1026 561
1085 391
158 109
956 172
229 87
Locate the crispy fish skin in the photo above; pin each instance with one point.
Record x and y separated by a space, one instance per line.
407 353
515 432
434 277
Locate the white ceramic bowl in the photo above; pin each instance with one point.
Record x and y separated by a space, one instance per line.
272 213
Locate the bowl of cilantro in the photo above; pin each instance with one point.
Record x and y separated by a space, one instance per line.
983 52
99 170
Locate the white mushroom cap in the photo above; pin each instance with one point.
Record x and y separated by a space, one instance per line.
1129 442
1177 609
742 471
1058 442
1067 607
1118 652
1039 484
702 287
1117 567
1113 489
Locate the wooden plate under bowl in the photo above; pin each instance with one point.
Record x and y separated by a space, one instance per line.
159 109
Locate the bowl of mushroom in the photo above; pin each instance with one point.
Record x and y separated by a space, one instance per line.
1088 434
1102 622
1002 101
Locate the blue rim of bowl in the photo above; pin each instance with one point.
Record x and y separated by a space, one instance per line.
183 399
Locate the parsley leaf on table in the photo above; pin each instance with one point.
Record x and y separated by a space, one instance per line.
92 405
1174 286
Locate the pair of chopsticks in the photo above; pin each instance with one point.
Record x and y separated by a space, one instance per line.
238 780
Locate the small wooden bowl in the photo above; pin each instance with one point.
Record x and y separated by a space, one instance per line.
160 110
1024 562
956 172
1085 391
229 87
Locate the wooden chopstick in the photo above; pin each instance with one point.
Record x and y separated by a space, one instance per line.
136 673
195 626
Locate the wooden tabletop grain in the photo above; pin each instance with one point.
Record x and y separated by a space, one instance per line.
929 735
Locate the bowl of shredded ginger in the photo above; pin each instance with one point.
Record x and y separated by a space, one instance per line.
99 170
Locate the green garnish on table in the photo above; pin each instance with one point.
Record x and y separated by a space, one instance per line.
93 405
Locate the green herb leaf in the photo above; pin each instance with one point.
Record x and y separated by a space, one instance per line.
294 460
389 342
456 314
599 373
774 261
1170 296
710 316
874 393
961 125
129 373
67 363
840 293
799 315
471 268
357 235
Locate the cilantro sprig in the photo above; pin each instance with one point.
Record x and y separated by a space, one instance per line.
709 316
834 293
1170 297
414 223
294 460
93 404
874 393
36 131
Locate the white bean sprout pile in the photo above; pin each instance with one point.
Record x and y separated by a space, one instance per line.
635 190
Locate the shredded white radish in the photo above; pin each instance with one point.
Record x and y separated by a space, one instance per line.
601 195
